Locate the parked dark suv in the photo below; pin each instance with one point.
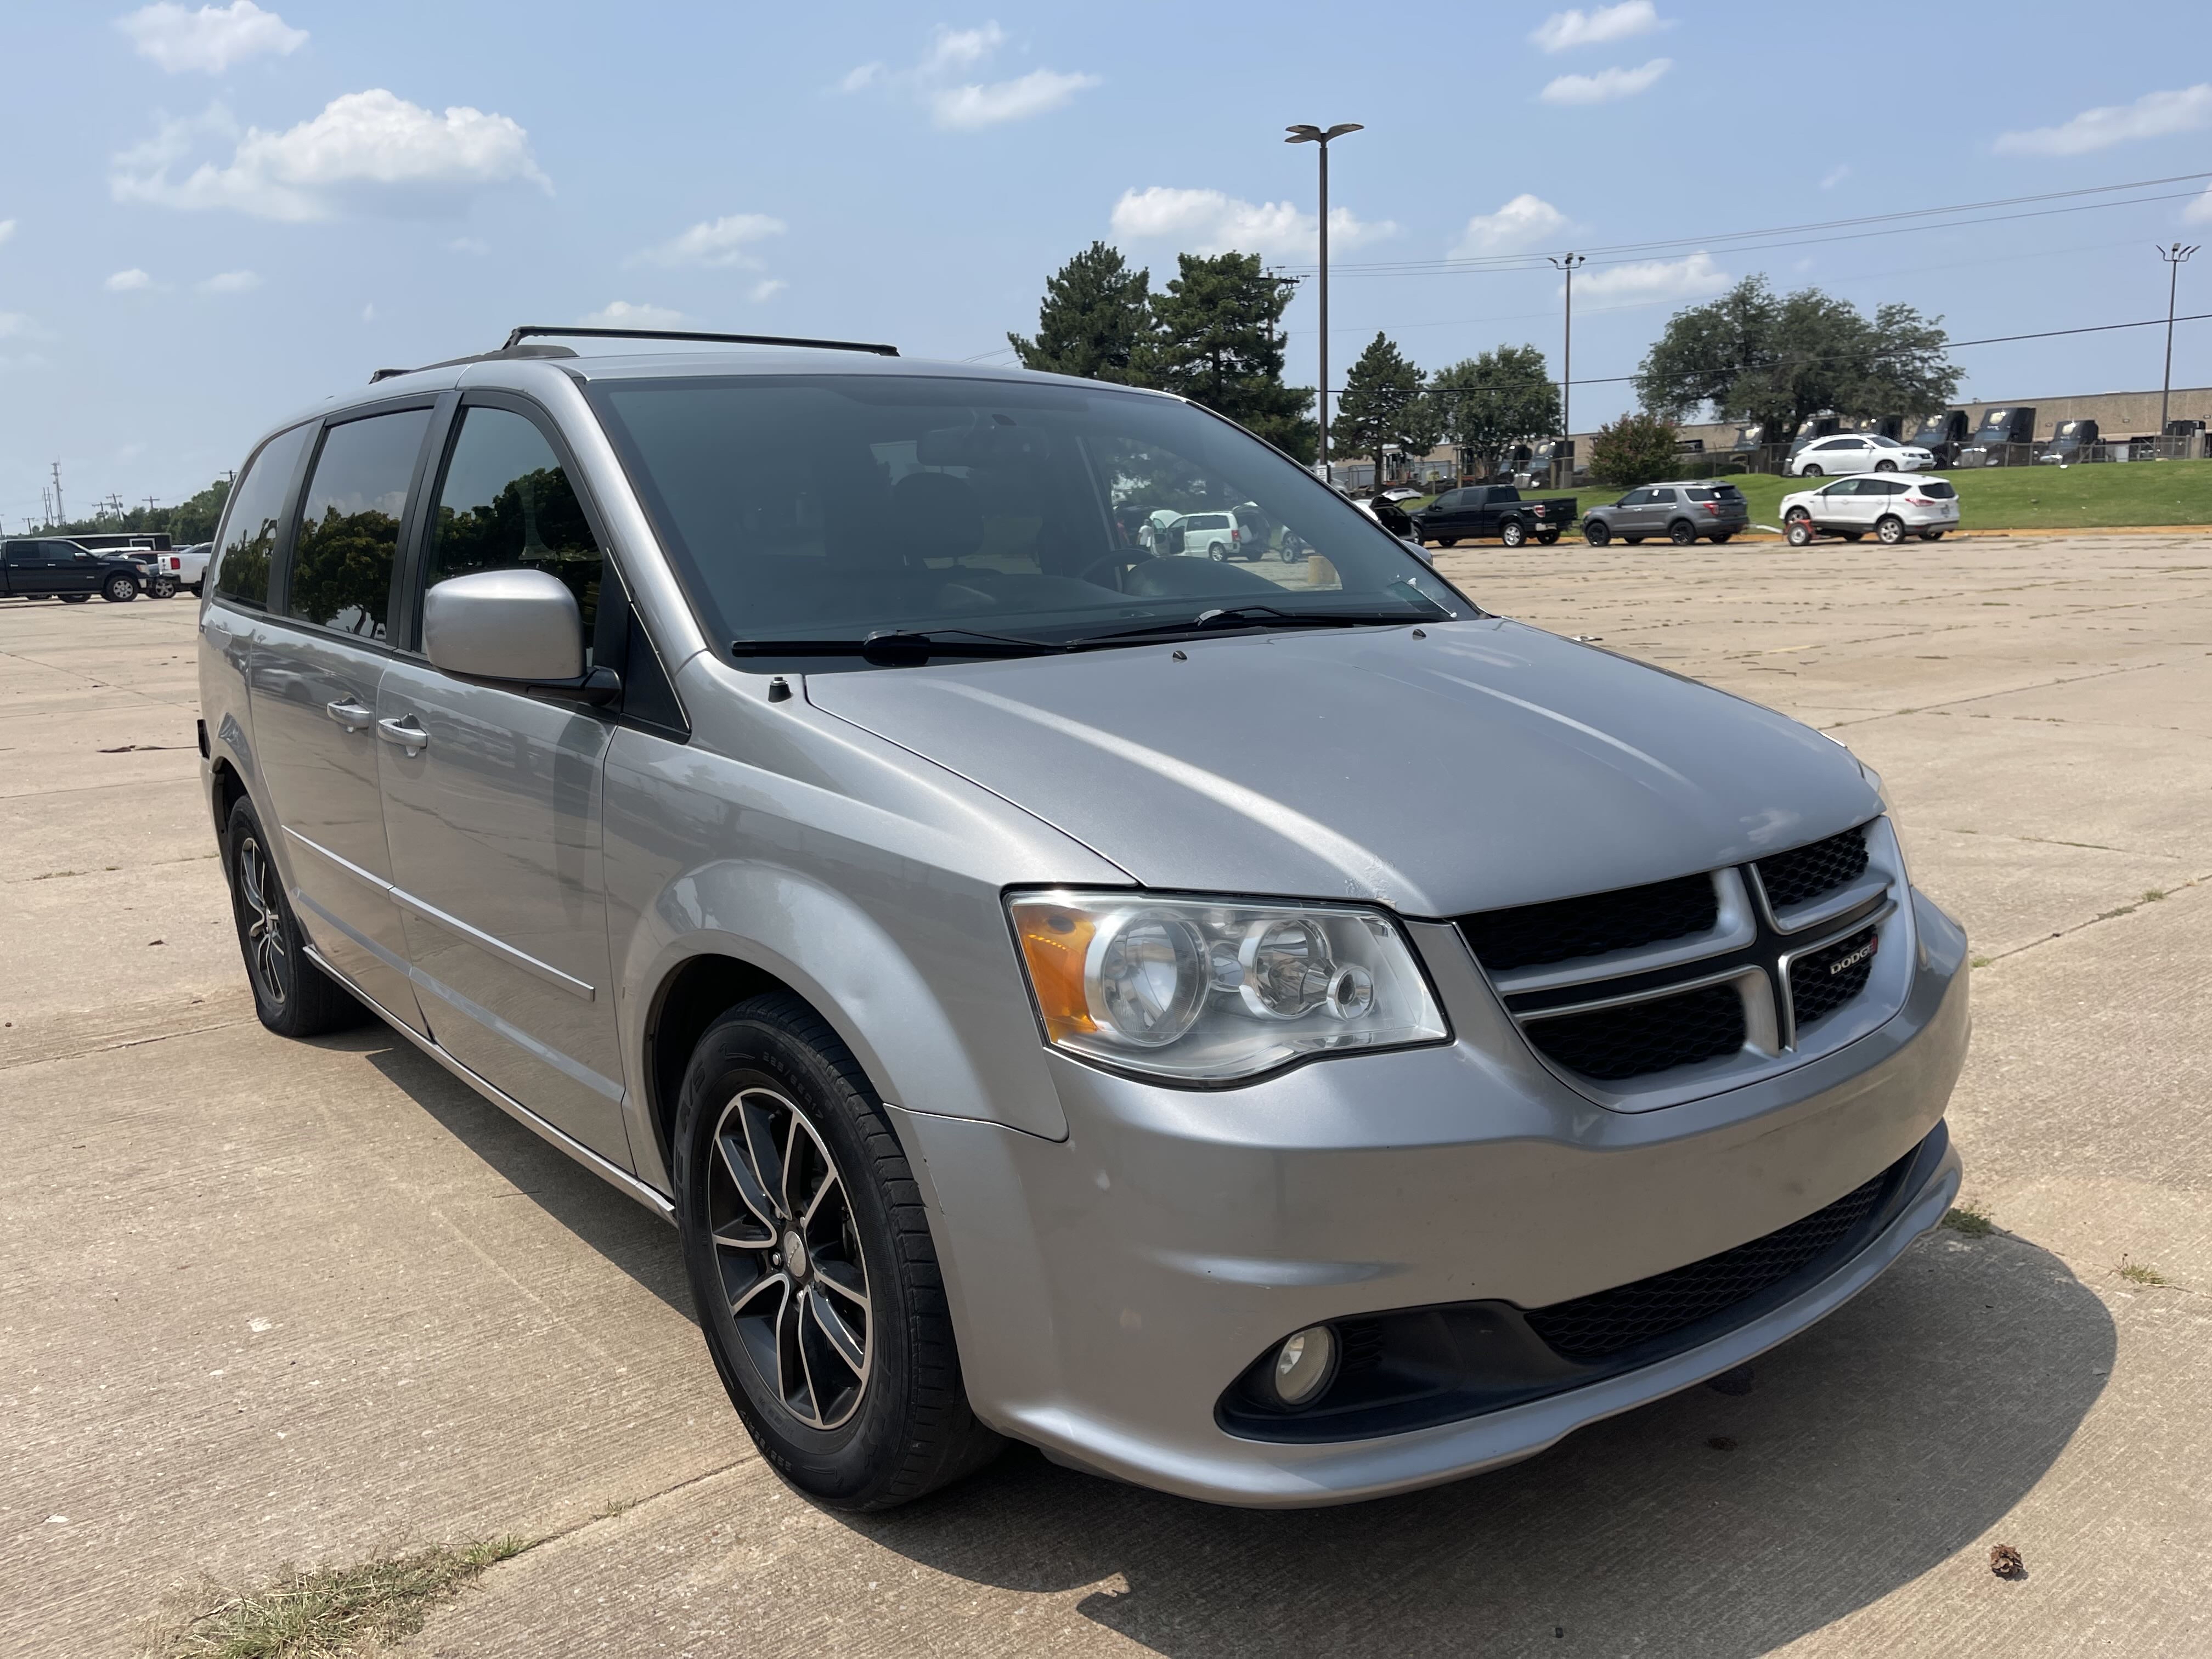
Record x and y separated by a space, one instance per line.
1681 513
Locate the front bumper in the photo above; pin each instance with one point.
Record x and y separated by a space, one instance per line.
1108 1288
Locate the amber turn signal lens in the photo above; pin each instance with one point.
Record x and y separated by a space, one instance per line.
1055 940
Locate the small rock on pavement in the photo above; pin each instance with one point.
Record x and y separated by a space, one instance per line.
2005 1562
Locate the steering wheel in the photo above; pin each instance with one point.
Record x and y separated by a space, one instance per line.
1114 562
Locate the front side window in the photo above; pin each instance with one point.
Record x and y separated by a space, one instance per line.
350 523
507 503
827 508
249 530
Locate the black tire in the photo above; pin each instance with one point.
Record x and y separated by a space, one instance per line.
1885 466
1288 553
1720 537
1682 532
1447 541
1854 535
1547 538
163 587
1633 541
1889 530
198 590
1597 533
1931 535
119 590
291 996
1811 472
1513 533
1800 532
771 1064
75 599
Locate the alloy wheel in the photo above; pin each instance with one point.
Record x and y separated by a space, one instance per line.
788 1256
264 921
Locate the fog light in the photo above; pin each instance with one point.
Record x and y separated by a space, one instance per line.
1303 1365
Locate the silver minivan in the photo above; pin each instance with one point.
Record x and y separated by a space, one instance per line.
1275 1033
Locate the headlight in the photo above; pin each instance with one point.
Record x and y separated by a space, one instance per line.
1210 991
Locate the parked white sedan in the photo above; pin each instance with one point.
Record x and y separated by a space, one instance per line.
1892 507
1858 451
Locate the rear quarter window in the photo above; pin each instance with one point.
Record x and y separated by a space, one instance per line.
249 530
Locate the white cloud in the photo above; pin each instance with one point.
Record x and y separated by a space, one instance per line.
231 281
1210 221
963 109
13 323
7 229
962 105
369 312
1522 224
369 148
211 39
714 242
125 281
1563 30
1656 279
620 313
470 244
2153 115
2200 211
768 289
1835 175
1605 85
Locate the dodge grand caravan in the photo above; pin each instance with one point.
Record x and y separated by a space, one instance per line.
1276 1033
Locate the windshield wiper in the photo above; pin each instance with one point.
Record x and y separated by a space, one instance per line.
1267 615
895 647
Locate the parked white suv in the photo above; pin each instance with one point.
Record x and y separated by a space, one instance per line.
1858 451
1893 508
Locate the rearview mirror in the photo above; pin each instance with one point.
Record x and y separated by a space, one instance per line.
519 625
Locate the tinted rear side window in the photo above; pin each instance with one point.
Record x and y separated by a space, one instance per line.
1702 495
249 533
350 523
1938 490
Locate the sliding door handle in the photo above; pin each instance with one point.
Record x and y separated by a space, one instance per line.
350 715
406 731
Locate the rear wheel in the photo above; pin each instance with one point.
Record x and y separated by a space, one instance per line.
809 1253
1219 553
1890 529
76 599
1681 533
1810 472
1513 533
164 587
1597 533
291 996
1931 535
1720 536
119 590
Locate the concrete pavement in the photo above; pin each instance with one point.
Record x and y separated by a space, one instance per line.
267 1302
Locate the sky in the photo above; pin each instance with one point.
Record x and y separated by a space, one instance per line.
211 217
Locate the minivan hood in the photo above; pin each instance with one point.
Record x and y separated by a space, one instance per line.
1485 764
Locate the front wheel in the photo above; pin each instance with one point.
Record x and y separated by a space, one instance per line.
1931 535
1596 532
810 1256
76 599
1885 466
1890 529
164 587
1513 533
119 590
1633 541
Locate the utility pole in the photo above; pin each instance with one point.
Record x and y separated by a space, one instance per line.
1313 135
1567 263
2175 256
61 512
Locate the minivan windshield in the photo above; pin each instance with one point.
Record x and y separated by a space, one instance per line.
988 517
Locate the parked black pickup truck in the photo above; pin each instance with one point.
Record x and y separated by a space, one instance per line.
51 568
1478 510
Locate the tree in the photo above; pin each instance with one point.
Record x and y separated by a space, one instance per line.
1217 339
194 520
1755 356
1491 402
1635 449
1096 312
1383 407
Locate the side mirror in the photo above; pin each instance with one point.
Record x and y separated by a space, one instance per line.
520 627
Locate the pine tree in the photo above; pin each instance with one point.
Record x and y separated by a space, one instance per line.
1383 407
1217 338
1095 314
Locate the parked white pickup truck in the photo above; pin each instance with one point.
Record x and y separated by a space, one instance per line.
186 566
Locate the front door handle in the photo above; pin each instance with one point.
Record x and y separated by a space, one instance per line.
350 715
406 731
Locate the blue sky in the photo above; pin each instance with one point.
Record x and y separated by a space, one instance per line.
215 215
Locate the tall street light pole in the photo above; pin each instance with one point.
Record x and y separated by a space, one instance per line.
1567 263
1313 135
2174 258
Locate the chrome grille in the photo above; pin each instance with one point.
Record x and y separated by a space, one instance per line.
1652 993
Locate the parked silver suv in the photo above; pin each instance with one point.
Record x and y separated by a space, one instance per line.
1274 1033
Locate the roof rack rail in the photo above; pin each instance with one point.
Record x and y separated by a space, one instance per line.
530 329
509 350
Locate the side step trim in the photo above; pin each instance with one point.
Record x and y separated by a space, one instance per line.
651 1197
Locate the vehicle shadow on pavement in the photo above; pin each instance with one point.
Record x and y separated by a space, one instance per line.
618 1229
1868 1452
